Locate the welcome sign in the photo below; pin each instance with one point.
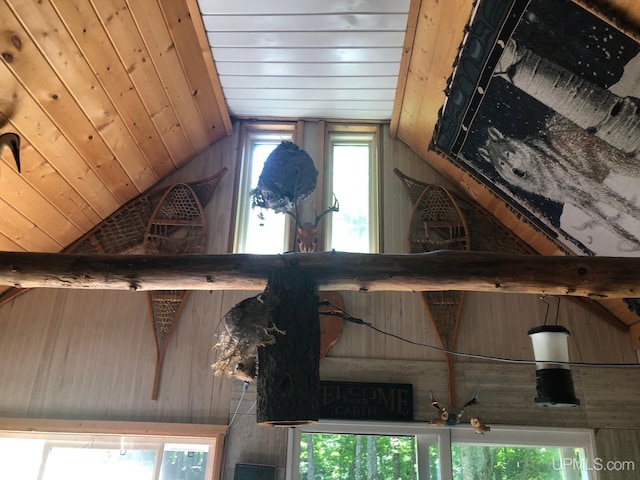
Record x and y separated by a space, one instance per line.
366 401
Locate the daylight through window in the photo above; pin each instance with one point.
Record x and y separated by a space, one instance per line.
412 451
60 455
259 231
352 177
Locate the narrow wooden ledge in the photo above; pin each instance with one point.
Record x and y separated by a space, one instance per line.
105 427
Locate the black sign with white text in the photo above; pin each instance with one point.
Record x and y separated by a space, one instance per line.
366 401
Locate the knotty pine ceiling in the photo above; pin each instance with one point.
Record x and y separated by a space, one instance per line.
108 97
111 96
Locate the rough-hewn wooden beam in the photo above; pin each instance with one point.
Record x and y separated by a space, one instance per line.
596 277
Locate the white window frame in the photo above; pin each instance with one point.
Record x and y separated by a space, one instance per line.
121 436
444 437
251 134
360 135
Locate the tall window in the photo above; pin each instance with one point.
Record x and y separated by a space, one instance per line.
349 172
352 176
412 451
259 231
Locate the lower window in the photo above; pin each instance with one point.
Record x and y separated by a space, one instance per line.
412 451
59 455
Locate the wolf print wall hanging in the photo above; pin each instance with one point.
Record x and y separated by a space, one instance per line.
543 108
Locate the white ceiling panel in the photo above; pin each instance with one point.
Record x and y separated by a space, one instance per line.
303 56
342 69
310 94
306 23
306 7
311 59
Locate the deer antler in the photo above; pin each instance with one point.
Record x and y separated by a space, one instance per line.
334 208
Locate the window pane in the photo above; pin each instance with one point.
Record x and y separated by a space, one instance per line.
184 462
264 229
20 458
355 457
434 462
507 463
350 183
68 463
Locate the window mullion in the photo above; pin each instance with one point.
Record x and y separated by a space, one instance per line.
292 470
444 454
43 462
423 462
157 466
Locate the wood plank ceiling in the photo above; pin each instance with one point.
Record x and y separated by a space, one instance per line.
322 59
108 98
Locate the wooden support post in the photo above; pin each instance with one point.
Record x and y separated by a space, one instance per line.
289 370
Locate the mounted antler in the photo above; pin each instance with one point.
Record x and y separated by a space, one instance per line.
307 233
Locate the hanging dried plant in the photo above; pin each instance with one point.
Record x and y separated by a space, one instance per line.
247 326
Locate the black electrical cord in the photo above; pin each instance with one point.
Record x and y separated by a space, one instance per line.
350 318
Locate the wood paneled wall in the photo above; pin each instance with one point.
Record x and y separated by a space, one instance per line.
90 354
492 324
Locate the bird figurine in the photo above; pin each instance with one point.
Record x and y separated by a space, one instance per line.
12 141
444 418
479 426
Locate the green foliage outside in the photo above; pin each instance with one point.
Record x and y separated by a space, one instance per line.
371 457
357 457
471 462
182 465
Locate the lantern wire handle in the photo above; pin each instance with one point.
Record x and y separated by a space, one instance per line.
546 313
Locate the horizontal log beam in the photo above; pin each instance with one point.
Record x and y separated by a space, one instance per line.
595 277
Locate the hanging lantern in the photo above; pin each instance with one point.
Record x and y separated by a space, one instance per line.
554 383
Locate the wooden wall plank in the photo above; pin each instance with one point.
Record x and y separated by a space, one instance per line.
8 245
405 62
162 51
619 445
39 174
45 137
121 28
92 40
60 49
190 39
31 68
32 205
32 238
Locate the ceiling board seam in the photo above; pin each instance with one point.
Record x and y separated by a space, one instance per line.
32 226
172 155
106 90
161 78
64 84
209 64
46 112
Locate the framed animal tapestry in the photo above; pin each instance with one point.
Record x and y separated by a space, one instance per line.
542 108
